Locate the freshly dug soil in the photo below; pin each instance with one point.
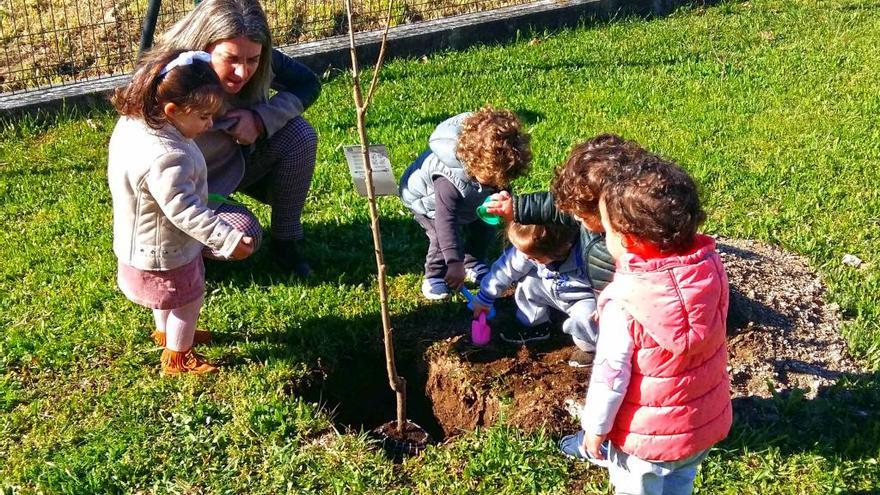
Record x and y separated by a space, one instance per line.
401 444
468 385
411 432
781 332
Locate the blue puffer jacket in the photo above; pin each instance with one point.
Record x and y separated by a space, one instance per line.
417 182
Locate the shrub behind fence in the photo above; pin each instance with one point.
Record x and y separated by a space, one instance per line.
54 42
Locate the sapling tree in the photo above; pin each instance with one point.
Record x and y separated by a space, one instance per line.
362 104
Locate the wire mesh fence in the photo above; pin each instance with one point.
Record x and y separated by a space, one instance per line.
49 43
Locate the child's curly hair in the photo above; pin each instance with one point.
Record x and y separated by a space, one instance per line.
493 145
656 201
550 240
578 183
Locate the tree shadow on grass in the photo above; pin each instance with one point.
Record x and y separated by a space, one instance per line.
842 421
337 253
347 359
328 340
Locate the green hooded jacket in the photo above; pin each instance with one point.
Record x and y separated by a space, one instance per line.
540 208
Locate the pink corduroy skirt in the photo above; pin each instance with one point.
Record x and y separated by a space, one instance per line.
163 289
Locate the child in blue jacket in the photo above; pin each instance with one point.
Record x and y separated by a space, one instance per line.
544 261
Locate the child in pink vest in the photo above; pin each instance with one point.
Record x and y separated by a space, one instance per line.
659 395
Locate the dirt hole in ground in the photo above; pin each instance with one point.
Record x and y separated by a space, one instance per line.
358 397
782 335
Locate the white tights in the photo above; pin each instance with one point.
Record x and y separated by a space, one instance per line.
179 324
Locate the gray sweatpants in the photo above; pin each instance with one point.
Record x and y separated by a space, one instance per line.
534 299
478 237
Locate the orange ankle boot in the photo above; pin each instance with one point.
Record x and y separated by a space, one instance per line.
177 362
200 337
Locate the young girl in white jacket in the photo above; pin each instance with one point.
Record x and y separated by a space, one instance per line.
158 180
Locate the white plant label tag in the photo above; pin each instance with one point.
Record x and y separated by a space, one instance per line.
383 177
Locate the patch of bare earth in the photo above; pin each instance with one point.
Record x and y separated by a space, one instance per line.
781 335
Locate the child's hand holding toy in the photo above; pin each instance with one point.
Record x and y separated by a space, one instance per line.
472 301
501 204
479 308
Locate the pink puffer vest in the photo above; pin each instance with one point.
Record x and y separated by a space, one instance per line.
678 400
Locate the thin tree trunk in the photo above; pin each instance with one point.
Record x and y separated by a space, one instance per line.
395 381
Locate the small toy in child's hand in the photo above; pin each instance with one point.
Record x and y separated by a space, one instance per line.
480 331
219 198
483 213
225 123
470 302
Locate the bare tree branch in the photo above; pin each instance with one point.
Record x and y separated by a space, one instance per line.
355 71
395 381
381 58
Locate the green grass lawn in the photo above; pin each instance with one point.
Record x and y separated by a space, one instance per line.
772 105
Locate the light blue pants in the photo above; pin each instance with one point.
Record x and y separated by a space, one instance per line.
633 476
534 299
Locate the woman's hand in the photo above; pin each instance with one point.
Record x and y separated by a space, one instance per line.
249 127
243 249
593 445
501 204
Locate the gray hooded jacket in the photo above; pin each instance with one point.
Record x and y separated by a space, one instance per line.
417 183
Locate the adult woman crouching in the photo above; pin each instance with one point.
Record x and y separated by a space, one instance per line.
260 146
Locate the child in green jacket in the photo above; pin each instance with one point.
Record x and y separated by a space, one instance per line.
574 200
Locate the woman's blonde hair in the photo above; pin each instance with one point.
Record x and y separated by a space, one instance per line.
217 20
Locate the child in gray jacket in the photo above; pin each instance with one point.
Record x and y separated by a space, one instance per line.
545 263
159 184
471 156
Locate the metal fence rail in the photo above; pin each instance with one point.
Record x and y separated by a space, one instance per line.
49 43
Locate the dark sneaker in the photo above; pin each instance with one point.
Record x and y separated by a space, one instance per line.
476 273
523 335
581 359
287 255
435 289
572 446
